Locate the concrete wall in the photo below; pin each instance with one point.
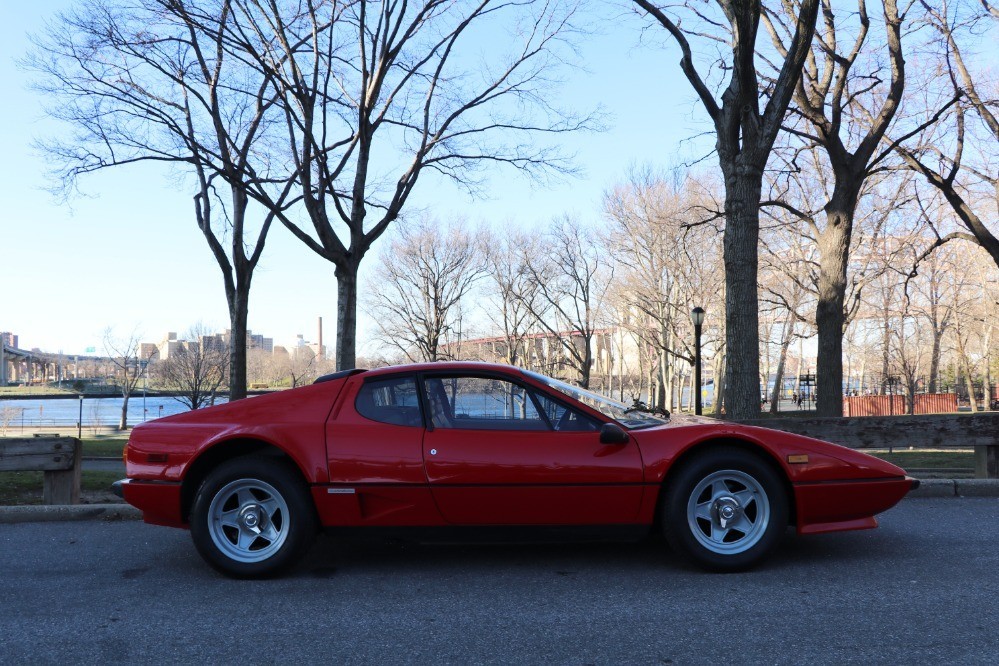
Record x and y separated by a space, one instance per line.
925 431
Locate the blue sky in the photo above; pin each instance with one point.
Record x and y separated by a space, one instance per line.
128 254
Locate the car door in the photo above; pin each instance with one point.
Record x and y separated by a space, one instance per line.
498 452
373 444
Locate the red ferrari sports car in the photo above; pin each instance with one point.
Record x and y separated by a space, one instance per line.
474 445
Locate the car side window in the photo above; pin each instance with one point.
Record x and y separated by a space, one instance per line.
481 403
394 400
565 419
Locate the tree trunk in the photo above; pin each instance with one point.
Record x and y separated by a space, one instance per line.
742 324
834 249
969 382
123 422
587 361
609 369
935 358
987 376
719 384
663 396
660 400
238 315
679 379
785 345
346 316
885 350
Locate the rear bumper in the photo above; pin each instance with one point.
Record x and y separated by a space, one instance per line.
158 501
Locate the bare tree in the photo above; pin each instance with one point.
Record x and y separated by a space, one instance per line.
304 365
260 366
7 416
788 267
845 109
511 291
886 310
907 347
128 366
667 264
374 93
419 285
744 139
197 368
169 82
957 143
573 273
935 296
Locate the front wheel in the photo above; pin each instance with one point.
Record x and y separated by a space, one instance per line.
725 509
252 517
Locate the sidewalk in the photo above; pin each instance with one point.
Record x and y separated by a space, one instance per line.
956 488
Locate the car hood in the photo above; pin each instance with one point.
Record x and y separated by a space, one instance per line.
826 461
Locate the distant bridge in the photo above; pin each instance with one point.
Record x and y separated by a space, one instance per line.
23 366
7 355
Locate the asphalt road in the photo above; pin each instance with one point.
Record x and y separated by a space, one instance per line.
922 587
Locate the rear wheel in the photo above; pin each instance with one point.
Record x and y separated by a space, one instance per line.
252 517
724 509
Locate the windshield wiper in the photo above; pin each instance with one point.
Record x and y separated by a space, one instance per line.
640 406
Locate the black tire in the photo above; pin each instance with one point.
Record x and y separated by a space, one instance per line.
253 517
724 509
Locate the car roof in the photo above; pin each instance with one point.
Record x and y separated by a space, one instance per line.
446 366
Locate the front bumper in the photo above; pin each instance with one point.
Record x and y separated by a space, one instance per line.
159 501
847 505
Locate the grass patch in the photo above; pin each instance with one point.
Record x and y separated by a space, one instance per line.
928 459
27 391
104 447
21 488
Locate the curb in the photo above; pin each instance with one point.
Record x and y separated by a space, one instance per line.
66 512
956 488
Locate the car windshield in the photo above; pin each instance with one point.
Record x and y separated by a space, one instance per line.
629 417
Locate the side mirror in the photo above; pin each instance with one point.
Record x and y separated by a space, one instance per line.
611 433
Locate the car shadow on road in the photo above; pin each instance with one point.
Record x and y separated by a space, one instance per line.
334 555
358 553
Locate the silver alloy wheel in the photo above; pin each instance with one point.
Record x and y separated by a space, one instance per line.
248 520
728 512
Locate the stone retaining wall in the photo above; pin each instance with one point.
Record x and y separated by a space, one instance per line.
922 431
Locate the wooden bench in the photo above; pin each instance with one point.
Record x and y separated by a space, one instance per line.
987 461
58 457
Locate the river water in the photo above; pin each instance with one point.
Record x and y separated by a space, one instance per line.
97 412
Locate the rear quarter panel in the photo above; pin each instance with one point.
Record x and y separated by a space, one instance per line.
293 421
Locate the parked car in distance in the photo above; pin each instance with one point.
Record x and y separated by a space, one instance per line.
461 445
